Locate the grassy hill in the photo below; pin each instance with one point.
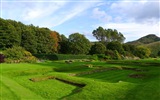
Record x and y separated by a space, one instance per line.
151 41
145 40
154 47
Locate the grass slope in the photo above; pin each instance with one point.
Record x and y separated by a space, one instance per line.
154 47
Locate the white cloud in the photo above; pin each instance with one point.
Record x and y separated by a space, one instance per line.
45 14
63 16
133 18
41 10
74 11
134 31
101 15
141 11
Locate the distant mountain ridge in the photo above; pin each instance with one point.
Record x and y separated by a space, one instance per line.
145 40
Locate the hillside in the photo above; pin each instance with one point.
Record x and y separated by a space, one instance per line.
145 40
154 47
151 41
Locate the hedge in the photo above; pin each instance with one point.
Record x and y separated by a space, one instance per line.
61 56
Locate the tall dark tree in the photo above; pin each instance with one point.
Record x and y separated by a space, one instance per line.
29 41
64 44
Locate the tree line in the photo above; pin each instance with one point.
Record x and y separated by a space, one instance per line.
38 40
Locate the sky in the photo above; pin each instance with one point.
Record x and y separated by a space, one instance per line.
133 18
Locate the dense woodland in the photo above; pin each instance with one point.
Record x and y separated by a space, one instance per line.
19 41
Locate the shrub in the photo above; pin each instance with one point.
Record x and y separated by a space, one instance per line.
117 55
142 52
128 54
98 48
110 54
94 57
18 54
115 45
14 53
101 56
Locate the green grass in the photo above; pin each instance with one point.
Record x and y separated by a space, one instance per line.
106 85
6 93
111 76
49 89
20 91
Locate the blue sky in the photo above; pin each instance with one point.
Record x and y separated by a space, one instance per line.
134 18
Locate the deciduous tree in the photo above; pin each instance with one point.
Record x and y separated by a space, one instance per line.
78 44
98 48
108 35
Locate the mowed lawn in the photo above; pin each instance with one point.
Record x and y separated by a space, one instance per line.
52 80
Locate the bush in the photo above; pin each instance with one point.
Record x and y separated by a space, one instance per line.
98 48
18 54
128 54
14 53
117 55
110 54
94 57
115 45
142 52
28 57
101 56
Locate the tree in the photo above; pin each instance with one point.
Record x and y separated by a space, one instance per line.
115 45
44 41
8 35
56 38
100 34
108 35
33 39
64 44
78 44
98 48
29 41
129 48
